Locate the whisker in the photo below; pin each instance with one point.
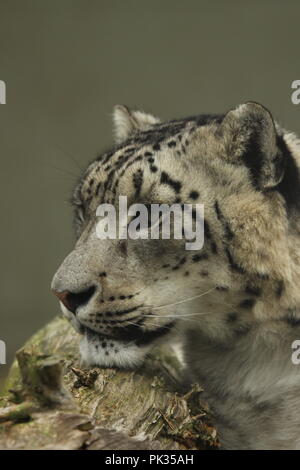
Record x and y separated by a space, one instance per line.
62 170
179 315
70 156
181 301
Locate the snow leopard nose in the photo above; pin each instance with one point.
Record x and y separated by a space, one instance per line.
73 300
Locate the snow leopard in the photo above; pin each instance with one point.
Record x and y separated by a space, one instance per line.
235 304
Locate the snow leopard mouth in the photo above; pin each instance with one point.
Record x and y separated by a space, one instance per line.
129 334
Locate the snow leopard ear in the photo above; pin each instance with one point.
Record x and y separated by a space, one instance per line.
250 137
127 122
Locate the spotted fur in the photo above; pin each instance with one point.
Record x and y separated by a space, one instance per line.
236 302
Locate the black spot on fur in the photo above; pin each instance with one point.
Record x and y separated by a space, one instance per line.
156 147
166 179
263 276
194 195
279 288
253 290
231 317
214 248
292 320
138 181
207 232
199 257
172 143
247 303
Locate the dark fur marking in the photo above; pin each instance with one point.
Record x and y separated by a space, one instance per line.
253 290
234 266
138 182
279 288
242 329
291 320
140 337
207 232
214 248
247 303
228 232
165 179
254 157
122 312
153 168
289 187
98 188
199 257
194 195
231 317
181 262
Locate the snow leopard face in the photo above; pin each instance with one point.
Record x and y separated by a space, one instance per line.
124 296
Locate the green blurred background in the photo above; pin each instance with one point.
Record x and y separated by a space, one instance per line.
67 62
